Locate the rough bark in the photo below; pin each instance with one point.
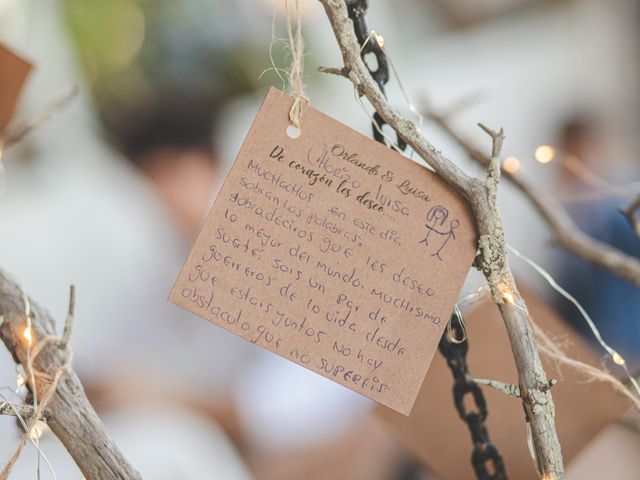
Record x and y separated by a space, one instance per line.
69 414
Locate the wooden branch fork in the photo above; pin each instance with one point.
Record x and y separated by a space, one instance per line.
565 232
68 412
492 260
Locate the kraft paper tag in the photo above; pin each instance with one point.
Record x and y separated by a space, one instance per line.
333 251
14 71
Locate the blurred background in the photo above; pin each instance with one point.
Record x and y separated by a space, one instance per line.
109 195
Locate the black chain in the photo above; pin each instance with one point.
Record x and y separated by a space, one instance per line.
485 458
357 10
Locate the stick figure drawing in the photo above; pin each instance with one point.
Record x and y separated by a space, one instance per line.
436 218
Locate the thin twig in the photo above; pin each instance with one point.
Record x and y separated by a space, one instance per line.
21 130
68 323
565 231
631 214
24 410
493 172
340 72
508 389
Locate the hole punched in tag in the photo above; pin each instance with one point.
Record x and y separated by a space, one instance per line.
293 132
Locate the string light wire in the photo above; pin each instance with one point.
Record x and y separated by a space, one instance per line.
480 292
615 356
410 104
380 40
34 442
392 144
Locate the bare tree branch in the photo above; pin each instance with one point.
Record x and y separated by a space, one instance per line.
69 414
25 411
508 389
16 133
566 232
340 72
631 214
68 323
492 257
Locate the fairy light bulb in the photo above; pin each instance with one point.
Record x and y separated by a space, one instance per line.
617 358
379 38
511 164
508 297
545 153
506 293
28 335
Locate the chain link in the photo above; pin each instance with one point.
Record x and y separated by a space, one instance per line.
369 45
485 458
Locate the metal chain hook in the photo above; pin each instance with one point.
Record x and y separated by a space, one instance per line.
486 460
371 44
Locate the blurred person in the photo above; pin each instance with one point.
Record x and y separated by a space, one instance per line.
610 300
171 144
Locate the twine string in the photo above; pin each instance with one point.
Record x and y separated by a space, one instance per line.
296 47
53 380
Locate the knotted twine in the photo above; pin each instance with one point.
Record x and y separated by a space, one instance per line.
296 47
53 380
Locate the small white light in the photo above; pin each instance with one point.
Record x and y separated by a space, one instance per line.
27 335
508 297
617 358
511 164
545 153
379 38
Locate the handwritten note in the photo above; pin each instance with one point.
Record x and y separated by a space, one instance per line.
14 70
333 251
